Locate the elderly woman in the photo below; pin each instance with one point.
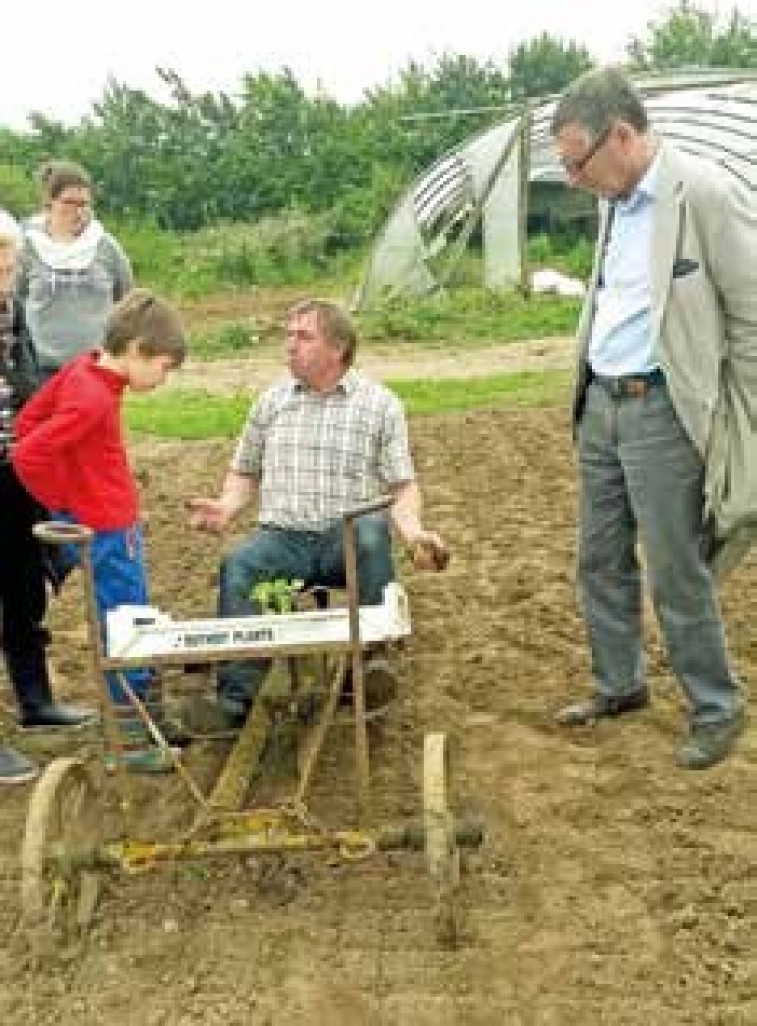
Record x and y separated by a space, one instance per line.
72 271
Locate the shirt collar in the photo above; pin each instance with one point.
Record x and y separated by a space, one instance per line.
646 187
345 386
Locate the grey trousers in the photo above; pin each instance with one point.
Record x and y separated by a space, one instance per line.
641 476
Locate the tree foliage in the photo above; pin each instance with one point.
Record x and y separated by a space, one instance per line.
692 37
193 160
545 65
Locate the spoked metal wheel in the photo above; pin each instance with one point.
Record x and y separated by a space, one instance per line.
442 853
59 880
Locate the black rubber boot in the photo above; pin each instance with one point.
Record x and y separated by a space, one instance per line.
38 709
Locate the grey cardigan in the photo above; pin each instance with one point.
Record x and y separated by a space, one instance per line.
66 310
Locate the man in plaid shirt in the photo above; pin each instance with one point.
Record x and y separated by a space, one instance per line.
322 440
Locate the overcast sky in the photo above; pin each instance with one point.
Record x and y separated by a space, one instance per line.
57 56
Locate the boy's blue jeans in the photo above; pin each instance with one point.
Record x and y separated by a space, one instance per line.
311 557
118 566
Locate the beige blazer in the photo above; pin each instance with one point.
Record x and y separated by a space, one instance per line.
704 322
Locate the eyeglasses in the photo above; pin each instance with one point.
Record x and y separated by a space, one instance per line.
79 204
575 167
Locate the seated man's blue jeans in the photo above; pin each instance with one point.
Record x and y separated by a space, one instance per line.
308 556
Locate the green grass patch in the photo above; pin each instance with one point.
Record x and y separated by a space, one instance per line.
524 388
471 315
199 415
231 339
186 415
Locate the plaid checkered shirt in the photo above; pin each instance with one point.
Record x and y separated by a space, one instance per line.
314 454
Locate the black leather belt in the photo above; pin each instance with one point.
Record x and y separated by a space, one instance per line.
629 386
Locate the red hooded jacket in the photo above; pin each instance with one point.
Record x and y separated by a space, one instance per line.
69 451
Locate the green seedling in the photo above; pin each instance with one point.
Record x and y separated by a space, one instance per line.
276 596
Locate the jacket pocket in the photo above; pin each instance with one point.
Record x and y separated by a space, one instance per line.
684 266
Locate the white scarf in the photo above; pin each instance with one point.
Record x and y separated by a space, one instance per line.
9 225
73 255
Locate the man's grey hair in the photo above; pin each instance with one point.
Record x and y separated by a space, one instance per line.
598 98
333 321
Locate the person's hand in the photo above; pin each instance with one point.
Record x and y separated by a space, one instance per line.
429 552
208 514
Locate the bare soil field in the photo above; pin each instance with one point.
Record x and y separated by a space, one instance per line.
612 888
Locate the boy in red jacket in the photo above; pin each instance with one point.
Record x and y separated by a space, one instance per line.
71 457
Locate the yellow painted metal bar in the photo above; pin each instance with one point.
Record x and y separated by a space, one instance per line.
313 742
140 856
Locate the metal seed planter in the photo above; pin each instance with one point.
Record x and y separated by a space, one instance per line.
64 853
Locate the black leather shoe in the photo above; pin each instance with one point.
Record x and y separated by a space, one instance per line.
380 684
602 707
56 716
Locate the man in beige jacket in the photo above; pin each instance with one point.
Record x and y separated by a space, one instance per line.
665 406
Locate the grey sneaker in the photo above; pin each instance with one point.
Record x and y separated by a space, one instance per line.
710 743
15 768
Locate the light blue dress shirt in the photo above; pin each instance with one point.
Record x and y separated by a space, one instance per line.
621 337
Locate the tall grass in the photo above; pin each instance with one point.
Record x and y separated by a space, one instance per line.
471 314
292 248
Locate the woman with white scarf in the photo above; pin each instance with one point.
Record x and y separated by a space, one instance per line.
72 270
